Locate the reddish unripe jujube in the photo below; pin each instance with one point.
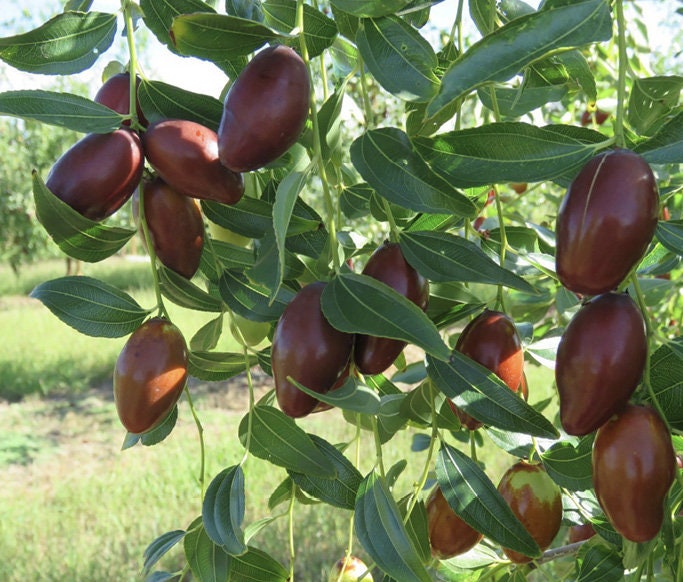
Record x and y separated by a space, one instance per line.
449 535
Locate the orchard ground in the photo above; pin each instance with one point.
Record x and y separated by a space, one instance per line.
76 507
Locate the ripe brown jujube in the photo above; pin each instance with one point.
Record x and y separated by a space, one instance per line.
307 348
115 94
634 465
491 339
536 500
265 110
600 360
99 173
176 227
150 374
185 155
606 221
387 264
449 535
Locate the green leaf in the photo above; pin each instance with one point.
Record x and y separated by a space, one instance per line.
670 234
223 510
503 152
185 293
351 395
206 337
90 306
360 304
569 466
518 101
251 300
666 377
338 492
218 37
503 53
257 566
473 497
77 236
159 14
68 43
389 45
665 146
160 100
230 256
217 366
388 162
484 396
277 439
208 561
371 9
160 431
650 100
440 256
599 562
61 109
159 548
380 529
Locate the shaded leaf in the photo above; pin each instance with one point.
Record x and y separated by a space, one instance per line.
665 146
251 300
223 510
217 366
159 14
257 566
570 466
159 547
351 395
373 8
599 562
208 561
185 293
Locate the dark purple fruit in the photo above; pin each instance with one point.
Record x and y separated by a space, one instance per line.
372 354
600 361
265 110
99 173
115 94
185 155
307 348
605 222
176 227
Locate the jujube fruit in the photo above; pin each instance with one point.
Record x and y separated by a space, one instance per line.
150 375
600 361
491 339
605 222
307 348
185 155
634 465
449 535
265 110
176 227
350 570
536 500
115 94
99 173
579 533
387 264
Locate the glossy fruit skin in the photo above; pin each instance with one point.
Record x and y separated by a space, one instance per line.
176 227
185 155
579 533
99 173
351 573
634 465
387 264
150 375
600 361
265 110
449 535
491 339
536 500
307 348
115 94
605 222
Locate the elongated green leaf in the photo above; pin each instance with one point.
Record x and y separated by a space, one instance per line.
670 234
159 547
503 152
390 44
440 256
223 510
230 256
160 100
503 53
351 395
388 162
599 563
650 100
665 146
68 43
218 37
570 466
155 435
666 376
360 304
62 109
516 102
338 492
484 396
372 9
79 237
251 300
208 561
206 337
159 14
276 438
92 307
185 293
476 500
381 532
217 366
257 566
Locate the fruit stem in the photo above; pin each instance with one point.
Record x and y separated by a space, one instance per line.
503 243
621 78
457 27
379 462
127 7
250 385
349 546
473 447
202 447
292 550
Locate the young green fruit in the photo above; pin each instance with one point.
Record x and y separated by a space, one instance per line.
634 465
249 332
185 155
307 348
350 570
176 227
536 500
606 221
115 94
372 354
600 360
491 339
99 173
265 110
449 535
150 375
